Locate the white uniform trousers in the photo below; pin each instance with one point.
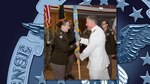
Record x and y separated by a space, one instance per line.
99 74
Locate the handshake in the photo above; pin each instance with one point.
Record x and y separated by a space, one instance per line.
77 43
84 41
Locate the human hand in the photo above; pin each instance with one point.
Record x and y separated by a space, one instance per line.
79 38
77 43
77 55
48 42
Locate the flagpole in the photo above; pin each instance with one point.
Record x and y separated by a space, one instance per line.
76 29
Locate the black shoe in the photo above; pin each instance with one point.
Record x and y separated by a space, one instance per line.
70 76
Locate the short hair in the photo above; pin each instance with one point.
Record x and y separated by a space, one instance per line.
105 21
92 17
62 22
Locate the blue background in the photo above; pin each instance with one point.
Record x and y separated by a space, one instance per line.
13 13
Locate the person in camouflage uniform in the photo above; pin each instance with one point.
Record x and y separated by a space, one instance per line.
47 48
110 42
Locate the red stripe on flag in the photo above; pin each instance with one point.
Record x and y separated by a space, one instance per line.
47 15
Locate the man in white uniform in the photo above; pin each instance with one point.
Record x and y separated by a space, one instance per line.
95 50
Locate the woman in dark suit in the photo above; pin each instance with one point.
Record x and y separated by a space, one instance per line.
59 57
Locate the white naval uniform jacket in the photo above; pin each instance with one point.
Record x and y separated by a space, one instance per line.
95 50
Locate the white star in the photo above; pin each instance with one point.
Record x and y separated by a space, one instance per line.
146 78
41 79
121 4
136 14
85 2
60 82
146 59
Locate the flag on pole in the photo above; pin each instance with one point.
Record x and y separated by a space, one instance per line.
47 17
114 25
61 12
75 17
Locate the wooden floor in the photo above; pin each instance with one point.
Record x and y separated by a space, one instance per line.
84 71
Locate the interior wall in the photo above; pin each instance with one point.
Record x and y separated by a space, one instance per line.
54 20
81 19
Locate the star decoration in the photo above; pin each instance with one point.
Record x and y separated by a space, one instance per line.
85 81
146 59
103 2
61 82
85 2
136 14
41 79
121 4
146 78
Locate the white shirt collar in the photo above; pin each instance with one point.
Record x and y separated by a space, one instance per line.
93 29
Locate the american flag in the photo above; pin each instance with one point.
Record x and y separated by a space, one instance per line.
47 17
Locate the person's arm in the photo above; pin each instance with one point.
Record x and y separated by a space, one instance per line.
93 43
63 45
112 41
89 49
84 41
